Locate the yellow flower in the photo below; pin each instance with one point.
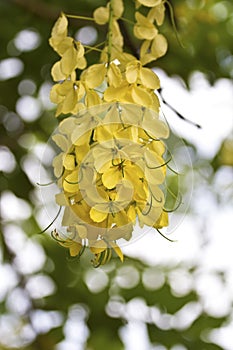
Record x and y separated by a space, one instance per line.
135 73
153 208
71 242
162 221
152 50
59 32
101 14
144 29
67 95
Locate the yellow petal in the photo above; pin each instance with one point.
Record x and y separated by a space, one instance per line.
118 8
150 3
155 128
81 63
141 96
55 97
159 46
75 248
98 246
94 75
69 162
162 221
70 183
60 27
114 75
56 72
117 250
97 216
70 101
61 141
111 177
143 29
101 15
69 61
58 165
92 98
132 71
116 94
149 79
157 13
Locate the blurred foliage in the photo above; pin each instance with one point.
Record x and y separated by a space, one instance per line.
93 307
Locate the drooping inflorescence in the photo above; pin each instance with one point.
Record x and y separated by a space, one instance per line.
111 167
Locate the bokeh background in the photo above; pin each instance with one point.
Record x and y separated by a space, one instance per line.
165 295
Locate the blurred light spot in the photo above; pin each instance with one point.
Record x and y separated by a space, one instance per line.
27 40
220 11
8 275
12 122
29 108
31 258
75 330
152 278
44 321
136 309
181 282
135 336
185 317
215 297
127 277
223 335
96 281
14 208
44 152
194 4
26 87
18 301
178 347
87 35
27 141
15 237
78 312
7 160
10 68
116 308
40 286
44 94
14 333
165 321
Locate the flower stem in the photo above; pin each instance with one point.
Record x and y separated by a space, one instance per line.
80 17
109 39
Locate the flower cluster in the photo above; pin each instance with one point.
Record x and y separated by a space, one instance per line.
111 168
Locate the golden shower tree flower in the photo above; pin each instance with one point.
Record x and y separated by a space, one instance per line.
111 167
